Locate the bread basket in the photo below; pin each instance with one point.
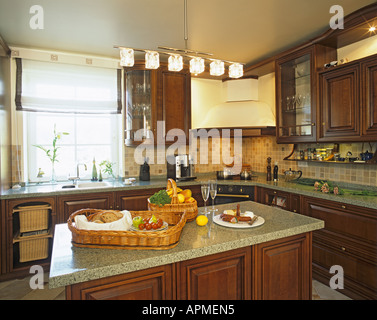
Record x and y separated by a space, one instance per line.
155 240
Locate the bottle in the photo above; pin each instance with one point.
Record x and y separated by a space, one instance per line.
94 171
269 169
276 169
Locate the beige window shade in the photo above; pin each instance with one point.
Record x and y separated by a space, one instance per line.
64 88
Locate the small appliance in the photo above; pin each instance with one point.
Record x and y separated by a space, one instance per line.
181 168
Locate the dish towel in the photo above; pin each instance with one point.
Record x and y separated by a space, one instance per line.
123 224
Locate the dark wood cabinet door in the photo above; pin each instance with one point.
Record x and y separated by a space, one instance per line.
151 284
280 269
71 203
369 98
175 101
349 240
340 104
223 276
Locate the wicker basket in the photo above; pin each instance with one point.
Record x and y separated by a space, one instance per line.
33 218
33 248
155 240
191 209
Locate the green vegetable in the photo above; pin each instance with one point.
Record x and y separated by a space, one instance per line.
160 198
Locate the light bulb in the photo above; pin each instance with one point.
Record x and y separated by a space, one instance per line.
236 70
152 60
127 57
197 65
216 68
175 62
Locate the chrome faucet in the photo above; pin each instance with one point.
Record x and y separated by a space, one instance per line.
74 179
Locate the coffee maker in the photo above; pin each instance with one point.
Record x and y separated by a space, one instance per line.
181 168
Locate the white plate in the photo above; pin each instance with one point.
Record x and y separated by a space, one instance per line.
164 227
239 225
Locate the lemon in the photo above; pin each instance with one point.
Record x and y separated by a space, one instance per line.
201 220
181 198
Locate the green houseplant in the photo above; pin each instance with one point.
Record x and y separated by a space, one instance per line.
52 153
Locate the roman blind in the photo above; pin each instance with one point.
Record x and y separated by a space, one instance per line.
64 88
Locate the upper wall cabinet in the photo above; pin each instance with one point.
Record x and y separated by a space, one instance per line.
348 102
152 96
296 93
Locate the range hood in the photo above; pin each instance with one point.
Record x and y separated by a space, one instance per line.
241 108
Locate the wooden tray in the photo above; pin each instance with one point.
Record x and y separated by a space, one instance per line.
136 240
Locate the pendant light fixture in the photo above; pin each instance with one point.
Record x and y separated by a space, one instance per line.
127 57
197 65
235 70
176 56
152 60
217 68
175 62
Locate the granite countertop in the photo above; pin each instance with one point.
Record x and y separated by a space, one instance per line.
44 190
70 265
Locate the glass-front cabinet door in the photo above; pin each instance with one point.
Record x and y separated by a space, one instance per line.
294 97
140 106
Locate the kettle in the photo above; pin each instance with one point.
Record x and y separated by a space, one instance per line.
290 175
144 171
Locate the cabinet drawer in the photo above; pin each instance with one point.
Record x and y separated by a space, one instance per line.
350 221
360 276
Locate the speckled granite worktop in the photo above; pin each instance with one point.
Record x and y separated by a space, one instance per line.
160 182
70 265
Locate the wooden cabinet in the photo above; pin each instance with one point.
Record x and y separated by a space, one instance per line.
348 103
339 116
276 198
349 240
156 95
282 269
71 203
150 284
369 97
224 276
296 93
279 269
11 261
134 200
175 100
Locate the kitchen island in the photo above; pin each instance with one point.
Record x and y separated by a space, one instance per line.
271 261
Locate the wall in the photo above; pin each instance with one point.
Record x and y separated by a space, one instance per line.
5 122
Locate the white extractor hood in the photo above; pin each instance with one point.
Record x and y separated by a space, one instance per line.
241 108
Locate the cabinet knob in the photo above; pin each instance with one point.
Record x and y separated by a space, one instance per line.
343 207
313 124
111 207
274 192
343 249
117 207
294 210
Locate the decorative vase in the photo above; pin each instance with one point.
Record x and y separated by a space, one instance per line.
53 176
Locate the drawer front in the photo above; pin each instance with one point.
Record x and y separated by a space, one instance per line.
350 221
360 276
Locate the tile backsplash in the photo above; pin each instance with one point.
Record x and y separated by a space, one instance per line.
255 152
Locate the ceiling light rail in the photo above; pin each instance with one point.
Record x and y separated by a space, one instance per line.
175 61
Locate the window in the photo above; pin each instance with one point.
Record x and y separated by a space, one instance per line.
90 137
83 101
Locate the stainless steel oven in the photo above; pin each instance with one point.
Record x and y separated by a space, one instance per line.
234 193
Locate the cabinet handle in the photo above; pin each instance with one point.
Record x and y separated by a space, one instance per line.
117 207
294 210
343 207
111 207
313 124
274 192
343 249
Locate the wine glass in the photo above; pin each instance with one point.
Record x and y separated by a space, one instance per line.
213 192
205 195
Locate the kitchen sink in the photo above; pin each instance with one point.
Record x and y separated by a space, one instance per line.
85 185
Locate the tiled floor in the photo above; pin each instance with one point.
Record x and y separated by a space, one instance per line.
19 289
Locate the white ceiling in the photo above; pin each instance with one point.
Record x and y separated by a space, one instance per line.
238 30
